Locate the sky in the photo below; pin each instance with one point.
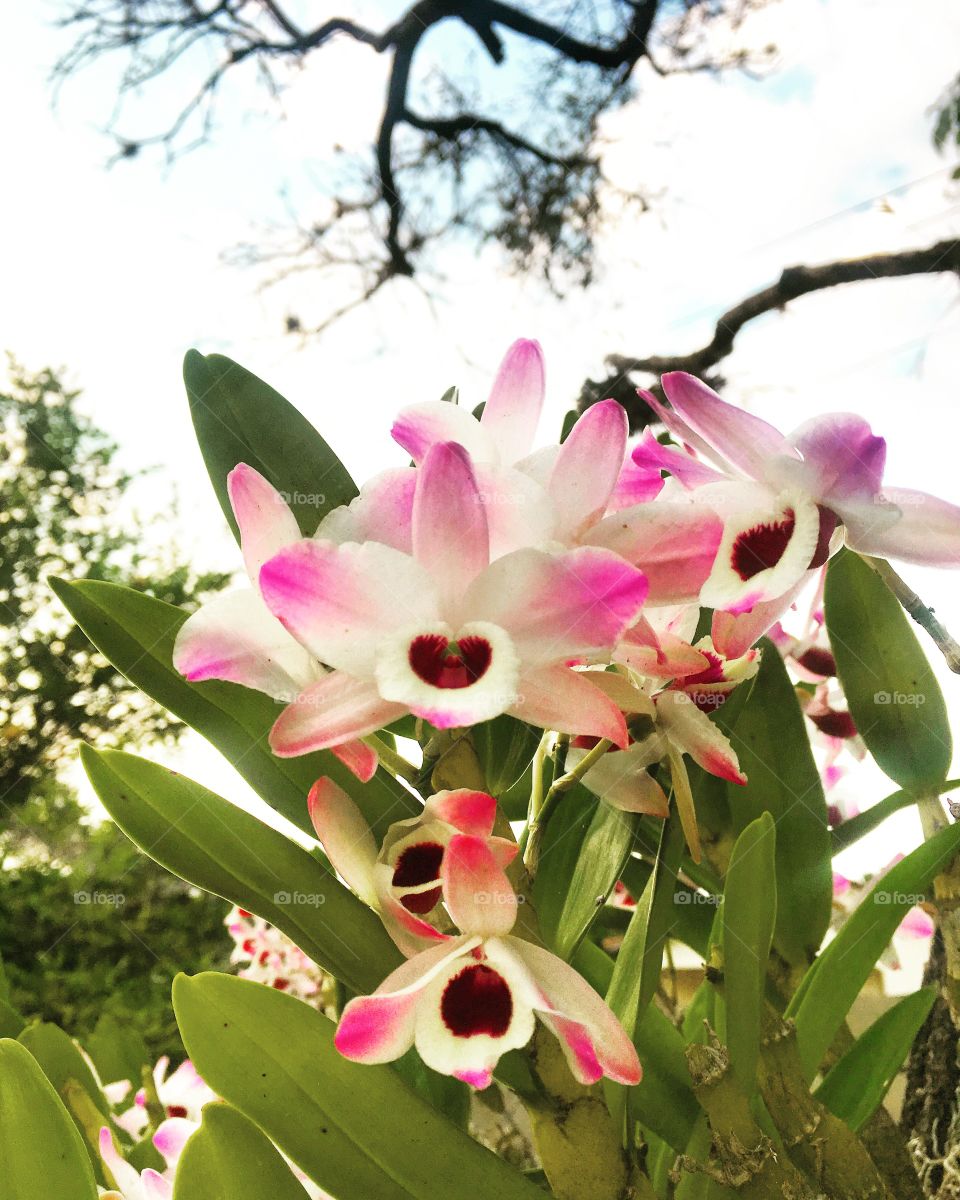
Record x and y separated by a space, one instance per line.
115 273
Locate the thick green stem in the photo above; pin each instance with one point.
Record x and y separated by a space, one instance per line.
923 615
537 820
820 1144
743 1157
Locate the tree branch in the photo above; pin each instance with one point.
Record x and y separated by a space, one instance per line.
793 283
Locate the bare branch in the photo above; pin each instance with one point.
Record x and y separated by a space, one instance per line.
793 283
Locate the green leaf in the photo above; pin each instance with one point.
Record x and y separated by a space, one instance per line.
358 1131
863 823
118 1050
771 742
747 919
61 1060
639 960
11 1022
585 845
831 985
856 1086
33 1117
219 847
504 747
239 418
228 1157
136 633
893 695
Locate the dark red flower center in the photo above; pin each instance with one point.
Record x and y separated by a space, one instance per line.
762 547
176 1110
477 1000
819 661
417 865
447 664
835 724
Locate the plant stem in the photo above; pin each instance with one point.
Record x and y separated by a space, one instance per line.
537 819
921 613
395 763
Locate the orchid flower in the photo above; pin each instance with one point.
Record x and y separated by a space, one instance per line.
590 492
466 1002
668 723
235 637
783 497
170 1138
444 632
264 953
402 880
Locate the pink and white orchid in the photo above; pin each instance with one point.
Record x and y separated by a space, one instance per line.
402 880
235 637
585 492
444 632
265 954
468 1001
782 498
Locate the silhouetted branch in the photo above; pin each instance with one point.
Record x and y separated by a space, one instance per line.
793 283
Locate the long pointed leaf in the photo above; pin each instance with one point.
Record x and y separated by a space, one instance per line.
222 849
358 1131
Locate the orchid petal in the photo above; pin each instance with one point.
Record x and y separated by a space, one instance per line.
927 531
743 440
411 934
341 601
127 1178
171 1136
675 543
155 1186
587 468
336 709
477 893
450 534
634 485
843 459
768 544
695 734
379 1028
470 812
621 777
733 634
263 516
383 512
565 700
359 758
653 457
422 426
346 837
519 511
558 607
512 411
592 1039
235 637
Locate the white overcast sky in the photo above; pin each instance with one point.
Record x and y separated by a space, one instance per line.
114 274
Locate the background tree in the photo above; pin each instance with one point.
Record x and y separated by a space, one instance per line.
87 925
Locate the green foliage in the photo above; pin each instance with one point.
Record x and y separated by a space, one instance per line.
73 951
32 1116
227 1157
60 496
891 689
946 126
359 1131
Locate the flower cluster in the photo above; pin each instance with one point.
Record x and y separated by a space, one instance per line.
470 990
560 585
265 954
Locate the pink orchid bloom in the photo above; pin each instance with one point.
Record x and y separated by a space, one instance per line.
589 491
133 1184
444 632
468 1001
782 498
402 880
266 955
235 637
